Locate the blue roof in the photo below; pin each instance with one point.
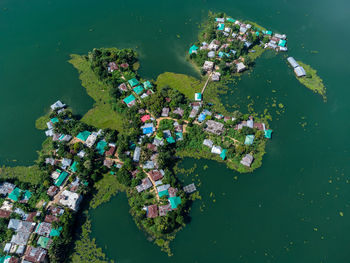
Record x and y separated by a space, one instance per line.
201 117
147 130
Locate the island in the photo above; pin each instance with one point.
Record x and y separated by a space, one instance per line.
131 141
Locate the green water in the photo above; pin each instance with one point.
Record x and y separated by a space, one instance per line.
269 216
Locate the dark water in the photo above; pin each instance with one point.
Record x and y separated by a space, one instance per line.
289 209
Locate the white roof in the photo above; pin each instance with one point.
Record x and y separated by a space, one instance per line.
292 62
299 71
57 105
70 200
216 149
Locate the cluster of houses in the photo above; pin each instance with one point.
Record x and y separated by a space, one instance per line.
216 50
135 91
32 231
298 70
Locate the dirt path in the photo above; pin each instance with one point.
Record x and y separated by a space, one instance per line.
206 83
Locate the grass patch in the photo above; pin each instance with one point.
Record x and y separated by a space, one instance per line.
106 188
185 84
27 174
40 123
312 81
102 115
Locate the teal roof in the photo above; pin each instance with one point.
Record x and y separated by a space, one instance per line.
221 26
282 42
268 134
133 82
43 241
129 99
61 178
138 90
163 193
268 32
54 120
100 147
249 140
229 19
257 33
147 85
27 195
174 201
15 194
193 49
198 96
223 154
4 259
74 167
179 135
83 135
55 232
170 140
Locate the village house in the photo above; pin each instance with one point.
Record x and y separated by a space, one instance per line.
247 160
189 189
112 66
165 112
214 127
156 175
137 154
35 254
152 211
57 105
122 87
240 67
178 111
70 200
52 191
208 143
108 163
216 150
146 184
216 76
208 65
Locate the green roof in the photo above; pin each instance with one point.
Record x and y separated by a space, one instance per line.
138 90
83 135
55 232
133 82
15 194
43 241
229 19
100 147
249 139
268 134
158 137
193 49
74 167
147 85
170 139
282 42
129 99
61 178
174 201
223 154
163 193
54 120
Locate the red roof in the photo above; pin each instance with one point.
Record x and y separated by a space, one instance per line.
145 118
31 216
52 190
152 147
124 65
51 218
110 151
259 126
5 214
35 254
155 175
152 211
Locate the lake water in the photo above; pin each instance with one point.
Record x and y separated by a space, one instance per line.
286 211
